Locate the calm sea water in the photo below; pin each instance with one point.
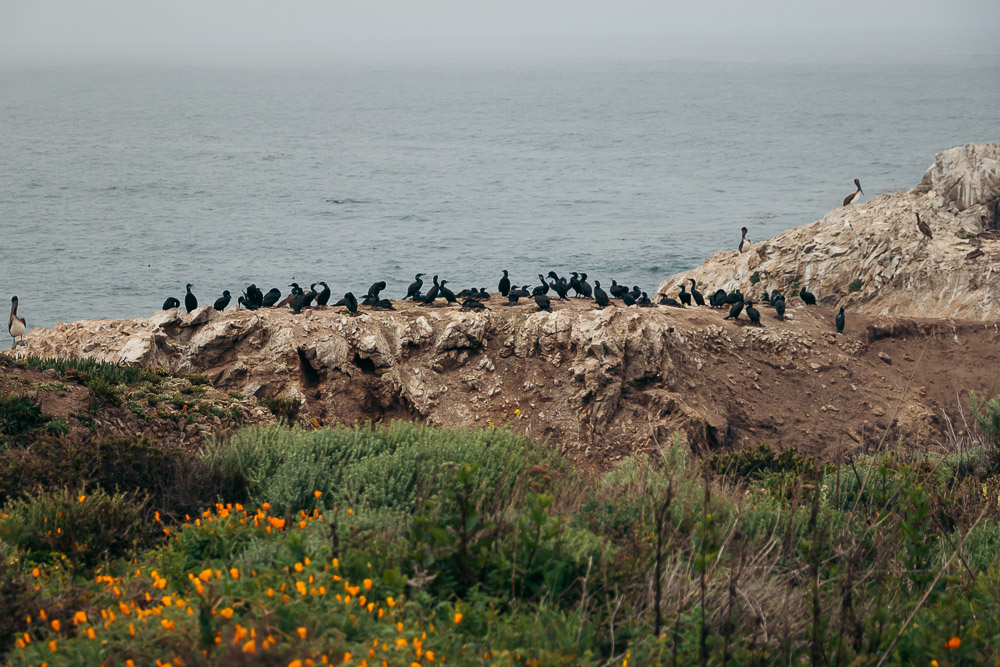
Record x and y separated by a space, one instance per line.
119 185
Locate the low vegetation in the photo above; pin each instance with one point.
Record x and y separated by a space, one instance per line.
415 545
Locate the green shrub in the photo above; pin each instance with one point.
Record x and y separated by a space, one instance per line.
987 414
84 526
85 369
755 278
855 285
374 466
19 417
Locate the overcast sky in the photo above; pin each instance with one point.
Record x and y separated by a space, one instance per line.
337 31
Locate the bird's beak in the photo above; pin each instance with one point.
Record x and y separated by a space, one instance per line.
862 191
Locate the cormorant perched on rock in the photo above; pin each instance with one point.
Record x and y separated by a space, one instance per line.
574 283
323 297
808 297
600 296
16 325
272 297
414 288
616 290
744 240
483 294
669 301
559 286
734 311
296 291
447 293
171 302
695 294
779 307
351 302
382 304
190 300
540 289
254 296
774 295
643 301
513 296
223 301
628 299
854 196
300 299
585 289
504 285
924 228
375 288
840 321
472 304
684 296
543 302
717 299
753 314
246 303
432 293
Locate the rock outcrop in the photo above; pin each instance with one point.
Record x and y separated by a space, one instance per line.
871 258
597 383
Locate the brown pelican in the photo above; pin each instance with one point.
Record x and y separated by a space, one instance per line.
854 196
924 228
16 325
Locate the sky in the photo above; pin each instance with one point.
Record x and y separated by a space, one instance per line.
325 32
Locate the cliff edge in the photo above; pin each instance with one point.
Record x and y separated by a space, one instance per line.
597 383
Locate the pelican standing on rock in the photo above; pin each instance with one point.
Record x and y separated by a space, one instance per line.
924 228
854 196
16 325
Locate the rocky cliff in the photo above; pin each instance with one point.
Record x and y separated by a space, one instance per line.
870 257
597 383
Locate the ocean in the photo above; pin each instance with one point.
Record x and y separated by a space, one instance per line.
120 184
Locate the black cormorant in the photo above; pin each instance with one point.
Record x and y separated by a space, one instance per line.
643 301
432 293
472 304
600 296
272 297
628 299
559 286
190 300
684 296
223 301
695 294
808 297
504 284
779 307
669 301
351 302
323 297
540 289
616 290
375 288
840 321
585 289
171 302
753 314
854 196
543 302
574 283
734 311
447 293
414 287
